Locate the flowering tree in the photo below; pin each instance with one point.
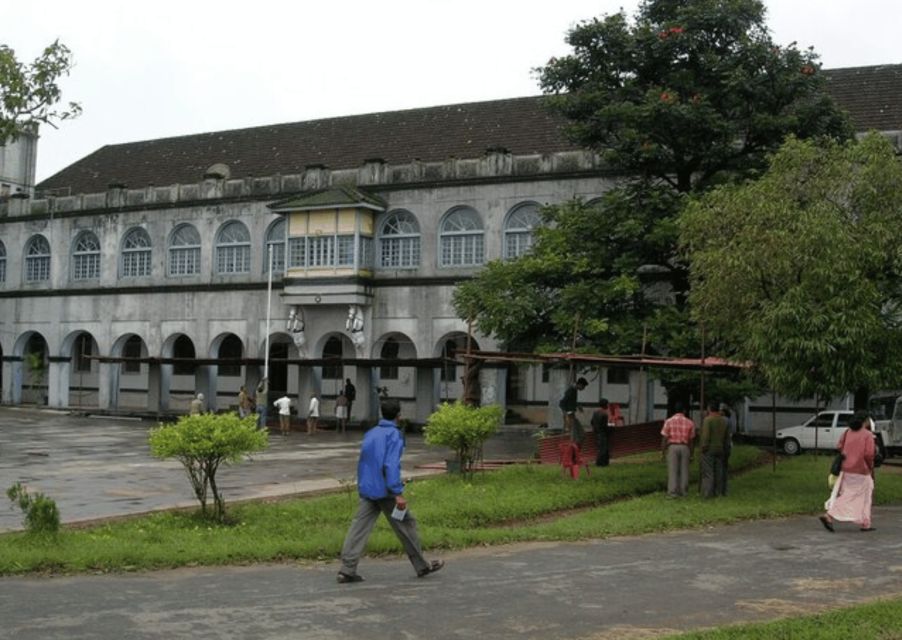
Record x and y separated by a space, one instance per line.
687 95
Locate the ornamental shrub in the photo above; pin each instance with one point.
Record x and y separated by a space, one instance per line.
464 429
41 512
202 443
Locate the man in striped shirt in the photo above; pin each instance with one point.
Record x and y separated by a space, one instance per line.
677 439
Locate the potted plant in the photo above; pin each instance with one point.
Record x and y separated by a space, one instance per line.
464 429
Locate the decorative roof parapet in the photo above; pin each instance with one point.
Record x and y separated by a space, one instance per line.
496 164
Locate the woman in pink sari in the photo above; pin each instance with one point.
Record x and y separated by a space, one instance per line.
853 491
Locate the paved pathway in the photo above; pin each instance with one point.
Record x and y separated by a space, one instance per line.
618 588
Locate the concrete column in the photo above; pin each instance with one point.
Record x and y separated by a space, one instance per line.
427 393
493 383
207 378
154 386
58 382
309 381
558 380
12 380
105 372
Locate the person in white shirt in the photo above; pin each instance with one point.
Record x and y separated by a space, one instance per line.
284 406
313 413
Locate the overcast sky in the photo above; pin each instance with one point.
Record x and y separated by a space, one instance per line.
155 69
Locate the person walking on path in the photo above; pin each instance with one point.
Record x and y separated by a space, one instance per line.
602 433
381 490
854 490
677 438
341 412
197 405
350 392
283 404
262 402
312 413
713 443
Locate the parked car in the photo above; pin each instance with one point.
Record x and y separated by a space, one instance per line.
824 430
821 431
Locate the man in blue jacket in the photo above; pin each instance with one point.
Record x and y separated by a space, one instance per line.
381 490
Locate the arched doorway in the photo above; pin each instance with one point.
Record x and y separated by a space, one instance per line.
452 347
34 369
83 370
129 380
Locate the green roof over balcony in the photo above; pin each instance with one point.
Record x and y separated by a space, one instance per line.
331 198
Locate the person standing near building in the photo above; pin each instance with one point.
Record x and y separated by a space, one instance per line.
197 405
313 413
350 392
713 444
341 412
601 430
283 404
262 402
244 403
569 404
381 490
677 438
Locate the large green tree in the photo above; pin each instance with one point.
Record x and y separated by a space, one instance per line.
800 272
30 93
688 94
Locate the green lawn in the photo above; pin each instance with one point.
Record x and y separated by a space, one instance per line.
517 503
880 620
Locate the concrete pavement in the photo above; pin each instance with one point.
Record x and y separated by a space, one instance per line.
617 588
98 467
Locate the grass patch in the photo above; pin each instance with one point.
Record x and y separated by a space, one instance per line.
513 504
875 620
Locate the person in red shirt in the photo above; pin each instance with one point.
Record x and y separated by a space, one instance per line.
677 439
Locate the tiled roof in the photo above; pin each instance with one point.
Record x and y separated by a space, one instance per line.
521 125
871 95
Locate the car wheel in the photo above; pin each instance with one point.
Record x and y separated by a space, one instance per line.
791 447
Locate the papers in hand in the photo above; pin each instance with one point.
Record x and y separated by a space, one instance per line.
399 514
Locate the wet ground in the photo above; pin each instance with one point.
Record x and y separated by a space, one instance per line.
97 467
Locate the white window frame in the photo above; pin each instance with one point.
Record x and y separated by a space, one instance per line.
137 254
518 229
233 249
276 237
184 251
37 259
399 241
461 239
86 256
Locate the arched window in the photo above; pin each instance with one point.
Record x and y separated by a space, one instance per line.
136 254
461 238
231 348
37 259
518 228
233 249
332 349
399 241
184 348
2 262
86 257
275 238
184 251
390 351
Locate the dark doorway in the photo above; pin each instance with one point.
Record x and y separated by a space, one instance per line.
278 369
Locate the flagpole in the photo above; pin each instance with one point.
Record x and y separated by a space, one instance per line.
268 309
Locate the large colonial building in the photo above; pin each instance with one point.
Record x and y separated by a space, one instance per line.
139 275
